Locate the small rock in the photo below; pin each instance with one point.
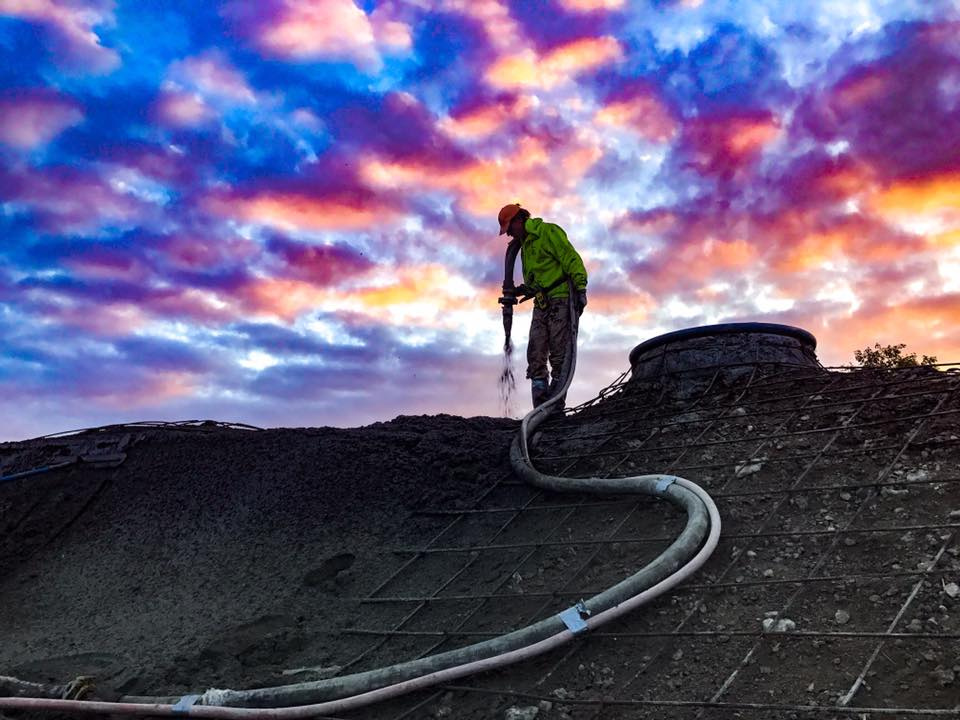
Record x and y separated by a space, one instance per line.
785 625
918 475
915 626
746 469
944 676
887 491
528 712
954 514
751 553
768 573
678 654
740 411
846 496
951 589
842 617
778 626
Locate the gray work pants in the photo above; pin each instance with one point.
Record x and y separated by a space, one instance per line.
549 341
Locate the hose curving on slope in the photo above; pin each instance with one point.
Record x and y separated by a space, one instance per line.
682 558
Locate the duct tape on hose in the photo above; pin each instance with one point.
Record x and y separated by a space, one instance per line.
184 704
573 618
663 483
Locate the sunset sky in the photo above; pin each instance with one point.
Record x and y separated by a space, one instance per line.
283 212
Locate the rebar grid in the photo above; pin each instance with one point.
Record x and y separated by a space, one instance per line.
738 441
837 387
568 468
653 539
688 587
761 413
822 452
721 495
649 662
861 678
703 704
869 495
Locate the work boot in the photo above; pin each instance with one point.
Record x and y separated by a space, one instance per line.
539 391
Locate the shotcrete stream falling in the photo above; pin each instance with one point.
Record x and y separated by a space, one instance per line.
688 552
507 382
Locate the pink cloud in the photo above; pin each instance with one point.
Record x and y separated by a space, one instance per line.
203 252
724 144
480 120
98 263
319 264
642 112
32 118
66 200
213 75
297 209
182 109
73 24
304 30
592 5
529 69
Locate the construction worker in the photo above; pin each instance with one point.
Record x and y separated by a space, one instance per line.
548 261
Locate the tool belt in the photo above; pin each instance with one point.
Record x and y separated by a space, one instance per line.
541 296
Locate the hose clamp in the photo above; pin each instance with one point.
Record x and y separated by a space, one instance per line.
573 618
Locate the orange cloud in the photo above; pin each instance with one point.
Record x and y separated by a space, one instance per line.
418 296
528 175
749 135
927 325
936 194
813 251
643 114
485 120
527 69
292 211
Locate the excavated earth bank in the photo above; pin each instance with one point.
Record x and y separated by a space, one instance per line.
216 557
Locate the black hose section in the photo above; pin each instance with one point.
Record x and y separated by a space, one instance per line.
509 262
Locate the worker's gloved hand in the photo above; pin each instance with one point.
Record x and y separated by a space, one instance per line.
580 301
524 290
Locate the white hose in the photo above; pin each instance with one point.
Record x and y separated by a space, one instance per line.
615 602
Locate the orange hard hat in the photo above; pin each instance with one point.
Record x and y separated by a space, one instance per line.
507 214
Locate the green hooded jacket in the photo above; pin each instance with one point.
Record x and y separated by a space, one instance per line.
548 256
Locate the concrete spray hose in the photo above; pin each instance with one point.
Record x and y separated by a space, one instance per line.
679 561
